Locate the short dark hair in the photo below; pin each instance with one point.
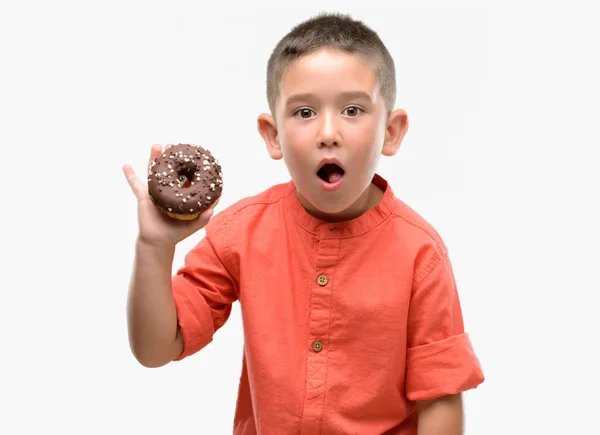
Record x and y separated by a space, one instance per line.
340 32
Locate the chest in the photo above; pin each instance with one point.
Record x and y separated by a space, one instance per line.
358 282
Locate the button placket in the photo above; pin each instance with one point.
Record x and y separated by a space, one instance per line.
318 333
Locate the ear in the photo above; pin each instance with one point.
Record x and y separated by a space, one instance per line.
397 125
268 130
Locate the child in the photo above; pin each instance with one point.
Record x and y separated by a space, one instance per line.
352 322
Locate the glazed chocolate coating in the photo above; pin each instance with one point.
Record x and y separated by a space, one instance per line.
202 171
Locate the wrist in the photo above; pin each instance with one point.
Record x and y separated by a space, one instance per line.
153 245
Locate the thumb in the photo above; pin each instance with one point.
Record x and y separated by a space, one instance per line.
201 221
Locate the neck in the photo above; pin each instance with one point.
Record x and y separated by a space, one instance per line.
369 198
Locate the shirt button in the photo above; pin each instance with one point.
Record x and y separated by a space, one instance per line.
322 280
317 346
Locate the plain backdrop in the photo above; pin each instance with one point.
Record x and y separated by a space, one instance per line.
501 157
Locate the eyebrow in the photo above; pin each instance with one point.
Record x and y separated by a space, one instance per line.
346 95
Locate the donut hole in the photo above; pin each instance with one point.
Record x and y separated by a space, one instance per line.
185 176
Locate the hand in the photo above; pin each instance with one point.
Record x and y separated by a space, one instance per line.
155 228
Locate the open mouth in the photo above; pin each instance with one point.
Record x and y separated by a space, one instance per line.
330 173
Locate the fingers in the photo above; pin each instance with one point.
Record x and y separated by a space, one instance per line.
134 182
205 217
154 153
201 221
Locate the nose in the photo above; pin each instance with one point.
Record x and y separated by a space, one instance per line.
329 131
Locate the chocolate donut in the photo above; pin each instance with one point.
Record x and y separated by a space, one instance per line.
184 181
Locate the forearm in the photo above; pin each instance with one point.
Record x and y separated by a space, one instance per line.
151 313
443 416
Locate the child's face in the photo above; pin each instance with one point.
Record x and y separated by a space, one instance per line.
330 107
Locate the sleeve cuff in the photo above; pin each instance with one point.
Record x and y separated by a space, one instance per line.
440 368
193 316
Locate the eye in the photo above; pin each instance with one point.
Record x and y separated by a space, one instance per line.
304 113
353 111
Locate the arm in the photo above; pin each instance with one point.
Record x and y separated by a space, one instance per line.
442 416
441 363
152 321
152 318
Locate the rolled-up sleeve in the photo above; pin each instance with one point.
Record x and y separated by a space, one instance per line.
204 289
440 357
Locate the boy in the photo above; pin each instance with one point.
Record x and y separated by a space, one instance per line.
352 323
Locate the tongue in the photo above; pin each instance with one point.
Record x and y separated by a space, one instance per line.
334 176
331 173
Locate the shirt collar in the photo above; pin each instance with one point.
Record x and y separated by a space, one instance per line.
361 224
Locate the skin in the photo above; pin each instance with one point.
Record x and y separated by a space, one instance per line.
443 416
330 106
328 123
355 130
154 337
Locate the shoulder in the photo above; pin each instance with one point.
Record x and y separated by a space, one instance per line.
241 214
420 242
415 228
254 204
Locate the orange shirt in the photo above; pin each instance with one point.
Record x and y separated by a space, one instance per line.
346 325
